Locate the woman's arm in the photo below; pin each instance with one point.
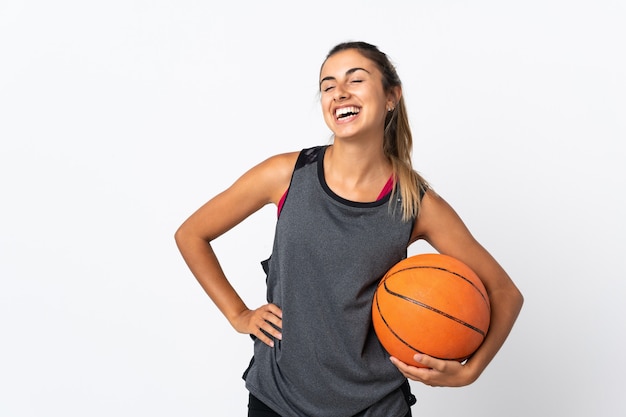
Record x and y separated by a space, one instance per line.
444 230
261 185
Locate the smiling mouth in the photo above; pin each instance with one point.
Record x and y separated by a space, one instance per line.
345 112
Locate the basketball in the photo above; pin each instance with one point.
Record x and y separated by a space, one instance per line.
432 304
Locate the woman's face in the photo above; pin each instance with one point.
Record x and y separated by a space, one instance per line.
352 95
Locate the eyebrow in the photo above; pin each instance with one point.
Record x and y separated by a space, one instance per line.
350 71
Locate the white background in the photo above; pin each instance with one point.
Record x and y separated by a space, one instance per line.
120 118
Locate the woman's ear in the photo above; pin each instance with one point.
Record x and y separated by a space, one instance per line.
393 97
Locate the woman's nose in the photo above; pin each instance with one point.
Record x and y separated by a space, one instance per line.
340 94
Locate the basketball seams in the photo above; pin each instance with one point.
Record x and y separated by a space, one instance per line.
433 309
439 268
382 317
397 336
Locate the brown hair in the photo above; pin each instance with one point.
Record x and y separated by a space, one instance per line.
398 140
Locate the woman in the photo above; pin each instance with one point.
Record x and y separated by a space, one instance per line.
347 213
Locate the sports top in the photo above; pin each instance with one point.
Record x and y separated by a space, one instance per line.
328 256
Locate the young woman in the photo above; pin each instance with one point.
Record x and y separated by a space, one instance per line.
346 214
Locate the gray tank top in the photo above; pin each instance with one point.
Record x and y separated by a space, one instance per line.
328 256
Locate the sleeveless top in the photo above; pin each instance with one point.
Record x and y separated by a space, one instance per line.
328 256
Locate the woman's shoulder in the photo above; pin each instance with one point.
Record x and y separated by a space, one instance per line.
288 161
281 163
272 175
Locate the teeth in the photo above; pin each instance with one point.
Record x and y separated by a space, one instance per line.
344 111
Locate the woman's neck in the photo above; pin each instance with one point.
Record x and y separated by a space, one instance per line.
356 171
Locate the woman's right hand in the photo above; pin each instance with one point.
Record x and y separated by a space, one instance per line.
262 323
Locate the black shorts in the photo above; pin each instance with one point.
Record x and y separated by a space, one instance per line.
256 408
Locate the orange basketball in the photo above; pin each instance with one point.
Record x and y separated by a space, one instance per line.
432 304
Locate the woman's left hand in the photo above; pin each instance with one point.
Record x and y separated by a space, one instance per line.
437 372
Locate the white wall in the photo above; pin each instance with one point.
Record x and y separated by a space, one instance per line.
119 118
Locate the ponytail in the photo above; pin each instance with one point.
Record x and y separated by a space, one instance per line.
398 147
